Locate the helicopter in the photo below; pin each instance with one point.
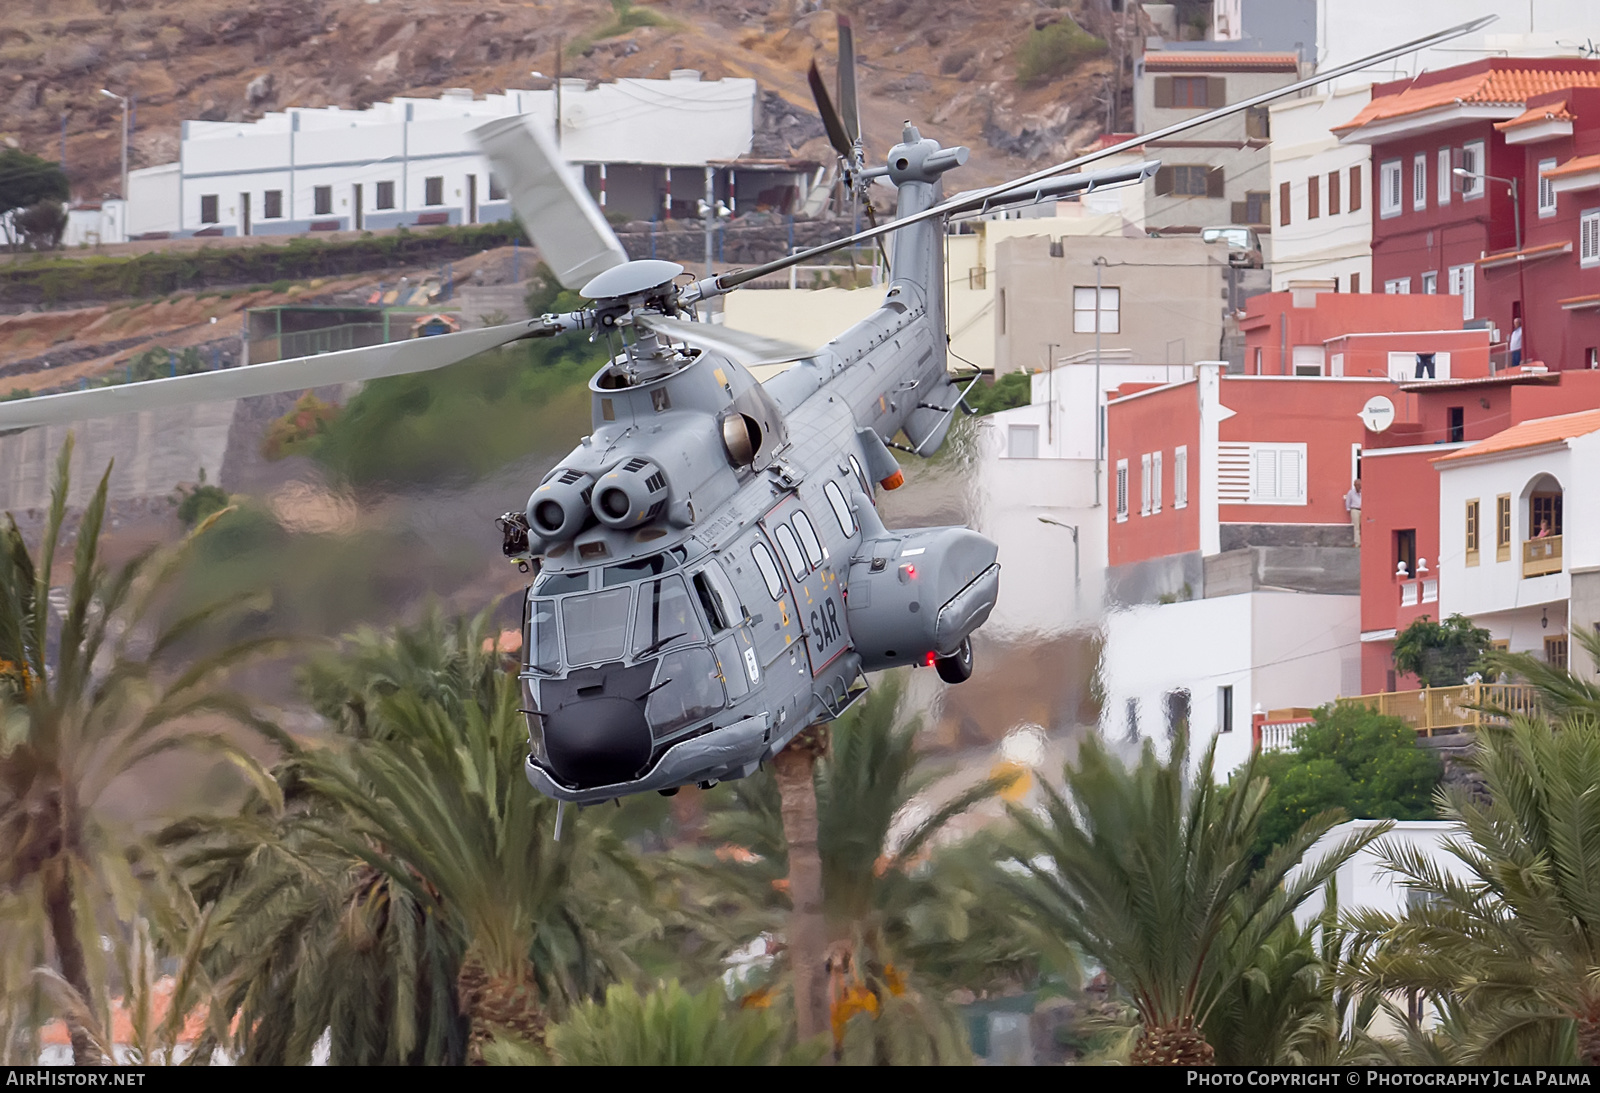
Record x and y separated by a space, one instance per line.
710 574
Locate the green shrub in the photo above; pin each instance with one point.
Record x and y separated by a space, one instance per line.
1055 51
1007 391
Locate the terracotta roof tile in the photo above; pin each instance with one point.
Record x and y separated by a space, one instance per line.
1535 115
1182 60
1494 87
1531 434
1575 166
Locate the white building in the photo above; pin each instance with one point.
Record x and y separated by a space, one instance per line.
1506 505
1364 883
412 161
1322 214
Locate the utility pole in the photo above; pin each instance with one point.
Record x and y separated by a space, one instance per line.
123 192
1050 387
560 44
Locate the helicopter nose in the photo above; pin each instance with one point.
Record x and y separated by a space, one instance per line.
597 741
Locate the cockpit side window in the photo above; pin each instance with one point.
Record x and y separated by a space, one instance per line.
769 569
596 625
666 617
791 551
722 608
554 584
540 643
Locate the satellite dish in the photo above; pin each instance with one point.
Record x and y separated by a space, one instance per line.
1378 414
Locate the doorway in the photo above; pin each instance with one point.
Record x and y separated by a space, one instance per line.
472 199
360 217
244 214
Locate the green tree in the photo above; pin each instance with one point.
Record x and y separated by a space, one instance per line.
1055 51
1441 654
1007 391
1352 759
1151 876
26 180
1505 941
410 898
88 694
41 225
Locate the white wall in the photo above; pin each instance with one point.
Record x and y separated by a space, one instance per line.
153 199
1363 883
1302 146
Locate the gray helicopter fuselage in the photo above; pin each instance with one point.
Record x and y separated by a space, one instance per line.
687 636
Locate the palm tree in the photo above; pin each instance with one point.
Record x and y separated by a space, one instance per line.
1506 944
794 770
868 876
1152 877
85 697
411 900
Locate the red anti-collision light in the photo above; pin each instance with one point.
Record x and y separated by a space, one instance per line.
911 571
928 660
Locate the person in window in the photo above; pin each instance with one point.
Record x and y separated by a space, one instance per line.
1544 530
1516 342
1424 366
1352 504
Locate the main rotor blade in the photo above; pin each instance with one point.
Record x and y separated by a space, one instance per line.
735 278
830 117
269 378
571 233
741 345
849 108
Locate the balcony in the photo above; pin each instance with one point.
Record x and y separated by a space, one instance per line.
1541 556
1413 593
1452 709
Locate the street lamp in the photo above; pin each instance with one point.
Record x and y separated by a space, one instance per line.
123 192
1516 217
1076 580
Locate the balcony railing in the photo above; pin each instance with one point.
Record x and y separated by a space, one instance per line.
1452 709
1541 556
1415 592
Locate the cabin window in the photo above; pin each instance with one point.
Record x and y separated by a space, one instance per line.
866 487
769 569
791 551
808 538
841 508
543 648
665 617
596 625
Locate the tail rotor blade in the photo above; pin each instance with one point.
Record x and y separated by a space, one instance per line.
269 378
849 109
571 233
837 136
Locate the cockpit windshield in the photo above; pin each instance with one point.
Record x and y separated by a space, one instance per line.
596 625
665 617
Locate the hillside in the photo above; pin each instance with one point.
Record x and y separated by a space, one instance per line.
948 65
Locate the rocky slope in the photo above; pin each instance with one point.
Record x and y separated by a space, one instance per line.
949 65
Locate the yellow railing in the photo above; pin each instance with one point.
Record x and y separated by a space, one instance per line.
1451 709
1541 556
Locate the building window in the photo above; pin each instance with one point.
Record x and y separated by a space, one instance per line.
1257 208
1389 189
433 190
1180 477
1283 204
497 187
385 195
1188 93
1261 474
1547 189
1225 708
1444 177
1355 188
1458 424
1022 442
1155 483
1122 491
1400 286
1189 180
1430 283
1472 532
1589 238
1313 197
272 205
1502 528
1084 310
1472 162
208 208
1133 718
1544 511
1257 123
1461 284
1333 193
1419 182
1177 712
322 200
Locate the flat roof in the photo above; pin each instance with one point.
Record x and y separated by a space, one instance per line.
1483 381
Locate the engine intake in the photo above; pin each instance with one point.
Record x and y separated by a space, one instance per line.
630 494
559 508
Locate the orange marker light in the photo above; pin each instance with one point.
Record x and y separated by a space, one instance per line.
894 481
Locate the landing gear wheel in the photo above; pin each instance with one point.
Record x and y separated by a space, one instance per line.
957 667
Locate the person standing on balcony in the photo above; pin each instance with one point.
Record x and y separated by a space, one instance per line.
1516 342
1352 504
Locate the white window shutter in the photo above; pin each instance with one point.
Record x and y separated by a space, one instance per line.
1265 484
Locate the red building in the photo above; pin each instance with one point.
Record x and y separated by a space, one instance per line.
1317 332
1431 227
1557 272
1400 492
